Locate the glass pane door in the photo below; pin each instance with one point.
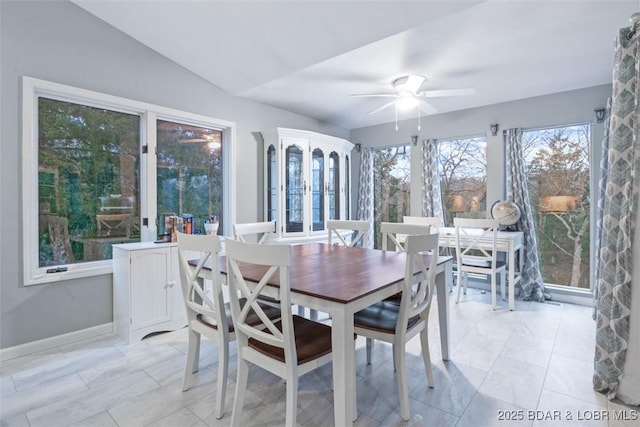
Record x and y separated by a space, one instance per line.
334 186
296 189
317 191
272 180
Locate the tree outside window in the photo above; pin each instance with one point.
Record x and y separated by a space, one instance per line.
88 181
559 183
462 165
392 180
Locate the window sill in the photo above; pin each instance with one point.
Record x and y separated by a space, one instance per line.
79 272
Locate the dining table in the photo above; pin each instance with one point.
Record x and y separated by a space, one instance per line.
340 281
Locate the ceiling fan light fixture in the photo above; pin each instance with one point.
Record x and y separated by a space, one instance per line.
407 103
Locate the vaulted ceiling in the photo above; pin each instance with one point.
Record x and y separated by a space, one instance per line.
309 56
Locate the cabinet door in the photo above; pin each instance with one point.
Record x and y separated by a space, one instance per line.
318 190
178 310
333 186
296 183
150 287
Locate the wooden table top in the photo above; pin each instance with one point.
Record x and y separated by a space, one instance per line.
336 273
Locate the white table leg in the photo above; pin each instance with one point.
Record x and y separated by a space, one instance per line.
512 277
443 306
344 371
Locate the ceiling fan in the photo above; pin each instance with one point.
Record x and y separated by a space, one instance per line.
407 95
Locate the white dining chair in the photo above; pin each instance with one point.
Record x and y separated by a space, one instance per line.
395 233
263 231
207 314
472 256
399 323
433 221
287 348
358 235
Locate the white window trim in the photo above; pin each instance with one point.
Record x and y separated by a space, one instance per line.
32 89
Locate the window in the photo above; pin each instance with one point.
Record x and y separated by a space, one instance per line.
462 165
189 173
88 176
90 169
391 183
559 183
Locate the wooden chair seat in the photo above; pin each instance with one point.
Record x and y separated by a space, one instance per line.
382 316
312 341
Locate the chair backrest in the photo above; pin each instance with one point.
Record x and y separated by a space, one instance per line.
192 278
334 227
265 231
397 233
419 277
266 261
433 221
471 240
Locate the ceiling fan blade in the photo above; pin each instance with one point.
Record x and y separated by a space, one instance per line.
383 95
382 107
447 92
427 108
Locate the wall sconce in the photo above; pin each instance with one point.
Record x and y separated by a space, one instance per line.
358 147
494 129
414 139
599 114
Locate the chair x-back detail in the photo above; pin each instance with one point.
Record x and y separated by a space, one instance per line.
288 348
207 314
433 221
398 323
205 310
358 229
473 256
396 233
263 230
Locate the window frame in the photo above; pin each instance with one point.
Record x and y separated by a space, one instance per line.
32 90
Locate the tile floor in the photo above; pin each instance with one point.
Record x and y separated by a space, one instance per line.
507 368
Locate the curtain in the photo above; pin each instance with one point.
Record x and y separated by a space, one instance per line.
531 283
431 196
602 184
617 348
365 192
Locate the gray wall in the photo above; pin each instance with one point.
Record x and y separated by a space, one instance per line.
543 111
59 42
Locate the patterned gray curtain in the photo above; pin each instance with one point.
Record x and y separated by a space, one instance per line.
531 283
621 200
602 184
365 191
431 196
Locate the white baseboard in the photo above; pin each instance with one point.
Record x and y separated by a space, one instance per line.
57 341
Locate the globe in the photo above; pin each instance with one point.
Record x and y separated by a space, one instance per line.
507 213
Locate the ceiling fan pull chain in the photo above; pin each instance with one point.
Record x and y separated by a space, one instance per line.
418 117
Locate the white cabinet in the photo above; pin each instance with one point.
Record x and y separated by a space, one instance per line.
147 296
307 181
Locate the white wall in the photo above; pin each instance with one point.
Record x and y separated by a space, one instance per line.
59 42
550 110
